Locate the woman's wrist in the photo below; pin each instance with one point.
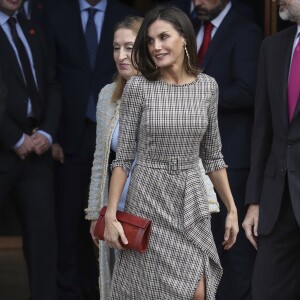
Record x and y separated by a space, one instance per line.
110 214
231 208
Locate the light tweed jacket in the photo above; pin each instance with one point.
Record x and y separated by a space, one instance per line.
107 118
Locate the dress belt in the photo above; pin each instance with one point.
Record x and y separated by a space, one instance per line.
172 164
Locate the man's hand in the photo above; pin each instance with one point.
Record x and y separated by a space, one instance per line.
250 224
41 143
57 153
26 148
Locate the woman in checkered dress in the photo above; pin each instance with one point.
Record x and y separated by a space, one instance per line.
169 117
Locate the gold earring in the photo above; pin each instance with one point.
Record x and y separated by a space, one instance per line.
186 52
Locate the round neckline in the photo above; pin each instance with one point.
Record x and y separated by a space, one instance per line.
180 85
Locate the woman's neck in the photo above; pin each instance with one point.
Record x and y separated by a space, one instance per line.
176 76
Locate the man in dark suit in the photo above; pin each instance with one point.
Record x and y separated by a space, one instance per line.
273 189
228 46
81 33
30 121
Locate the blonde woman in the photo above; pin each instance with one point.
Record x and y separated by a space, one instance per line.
107 134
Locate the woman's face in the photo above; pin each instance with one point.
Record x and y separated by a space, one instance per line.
123 43
165 45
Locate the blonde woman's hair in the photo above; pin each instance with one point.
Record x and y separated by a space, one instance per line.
132 23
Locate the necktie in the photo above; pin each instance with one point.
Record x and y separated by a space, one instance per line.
91 39
294 81
27 71
206 40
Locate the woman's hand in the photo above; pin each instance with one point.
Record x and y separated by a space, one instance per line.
114 230
231 229
92 228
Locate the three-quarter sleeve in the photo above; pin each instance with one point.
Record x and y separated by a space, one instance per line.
210 147
130 115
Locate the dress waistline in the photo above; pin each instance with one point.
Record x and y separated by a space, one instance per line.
173 165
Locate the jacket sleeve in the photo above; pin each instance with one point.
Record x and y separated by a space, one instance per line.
210 147
53 92
130 115
2 98
98 193
262 134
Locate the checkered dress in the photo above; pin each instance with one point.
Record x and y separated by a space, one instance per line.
170 126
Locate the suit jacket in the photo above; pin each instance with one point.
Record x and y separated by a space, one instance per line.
275 155
74 72
38 11
15 117
2 97
232 60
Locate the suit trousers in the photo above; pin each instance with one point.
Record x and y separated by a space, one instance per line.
32 181
276 274
77 263
237 262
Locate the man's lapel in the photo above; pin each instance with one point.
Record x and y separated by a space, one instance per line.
283 67
36 9
297 108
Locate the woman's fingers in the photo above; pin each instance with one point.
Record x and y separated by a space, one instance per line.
121 232
92 229
230 236
112 234
96 242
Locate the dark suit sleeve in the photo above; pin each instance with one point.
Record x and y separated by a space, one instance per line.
2 98
240 93
262 132
52 92
10 133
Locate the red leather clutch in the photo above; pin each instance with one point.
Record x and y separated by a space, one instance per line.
137 230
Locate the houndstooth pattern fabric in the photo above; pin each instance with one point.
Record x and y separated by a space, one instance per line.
171 126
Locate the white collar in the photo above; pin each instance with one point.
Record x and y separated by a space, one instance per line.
218 20
101 6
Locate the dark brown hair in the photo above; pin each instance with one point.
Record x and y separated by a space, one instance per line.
132 23
141 58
